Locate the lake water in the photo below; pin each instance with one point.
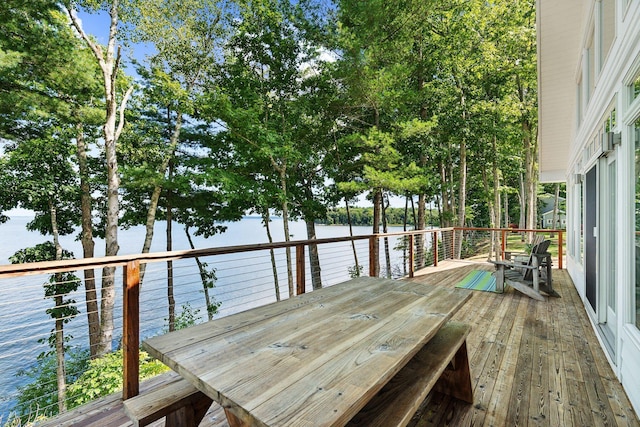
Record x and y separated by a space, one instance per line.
243 280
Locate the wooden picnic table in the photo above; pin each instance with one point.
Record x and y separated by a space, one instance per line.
315 359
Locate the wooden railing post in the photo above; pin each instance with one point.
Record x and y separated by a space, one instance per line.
131 330
300 270
373 256
560 254
503 244
411 255
434 242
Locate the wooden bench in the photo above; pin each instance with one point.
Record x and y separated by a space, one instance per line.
180 402
442 365
110 410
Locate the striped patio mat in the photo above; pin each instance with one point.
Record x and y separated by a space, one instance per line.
478 280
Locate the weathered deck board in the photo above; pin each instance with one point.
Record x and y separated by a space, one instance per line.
532 363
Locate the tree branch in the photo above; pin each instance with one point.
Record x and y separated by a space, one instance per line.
123 106
96 48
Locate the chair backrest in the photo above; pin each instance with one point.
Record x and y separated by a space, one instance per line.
540 248
537 239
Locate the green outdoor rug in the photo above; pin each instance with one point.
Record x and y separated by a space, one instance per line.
478 280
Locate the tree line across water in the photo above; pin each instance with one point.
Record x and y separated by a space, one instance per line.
262 106
364 217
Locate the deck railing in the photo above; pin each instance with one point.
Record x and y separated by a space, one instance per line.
507 240
247 276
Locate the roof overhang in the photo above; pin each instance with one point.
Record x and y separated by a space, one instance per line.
559 31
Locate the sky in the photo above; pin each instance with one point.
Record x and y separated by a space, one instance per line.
97 25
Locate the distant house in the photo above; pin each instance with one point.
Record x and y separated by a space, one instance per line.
546 203
547 220
589 130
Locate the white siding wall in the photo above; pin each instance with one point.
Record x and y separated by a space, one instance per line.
602 57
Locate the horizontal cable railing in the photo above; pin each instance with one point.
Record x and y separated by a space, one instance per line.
502 243
177 289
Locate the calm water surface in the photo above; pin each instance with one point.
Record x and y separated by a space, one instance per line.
22 307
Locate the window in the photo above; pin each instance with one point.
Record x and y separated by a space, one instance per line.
581 224
610 121
634 89
578 203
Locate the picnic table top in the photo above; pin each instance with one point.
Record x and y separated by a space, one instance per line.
315 359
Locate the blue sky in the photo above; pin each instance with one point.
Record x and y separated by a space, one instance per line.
97 25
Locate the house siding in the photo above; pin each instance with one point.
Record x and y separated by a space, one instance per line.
603 53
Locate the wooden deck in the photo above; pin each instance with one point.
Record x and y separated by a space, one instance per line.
532 364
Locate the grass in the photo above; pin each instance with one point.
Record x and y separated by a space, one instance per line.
515 243
481 244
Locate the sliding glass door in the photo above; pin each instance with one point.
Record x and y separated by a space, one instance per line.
607 313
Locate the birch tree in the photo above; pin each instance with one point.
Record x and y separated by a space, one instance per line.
109 60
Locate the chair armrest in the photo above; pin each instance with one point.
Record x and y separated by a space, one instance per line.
505 264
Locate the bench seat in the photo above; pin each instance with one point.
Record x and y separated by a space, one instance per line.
442 365
110 410
179 401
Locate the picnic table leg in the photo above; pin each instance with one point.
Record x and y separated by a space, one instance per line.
189 415
235 421
455 381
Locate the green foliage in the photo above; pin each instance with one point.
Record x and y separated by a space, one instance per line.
283 105
59 284
87 379
355 271
104 376
208 278
364 216
39 398
40 177
188 316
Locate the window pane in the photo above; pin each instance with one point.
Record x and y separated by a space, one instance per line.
581 224
611 231
637 222
635 90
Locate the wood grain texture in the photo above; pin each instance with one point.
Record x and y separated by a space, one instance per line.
396 403
456 380
552 370
109 411
174 395
316 363
131 330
